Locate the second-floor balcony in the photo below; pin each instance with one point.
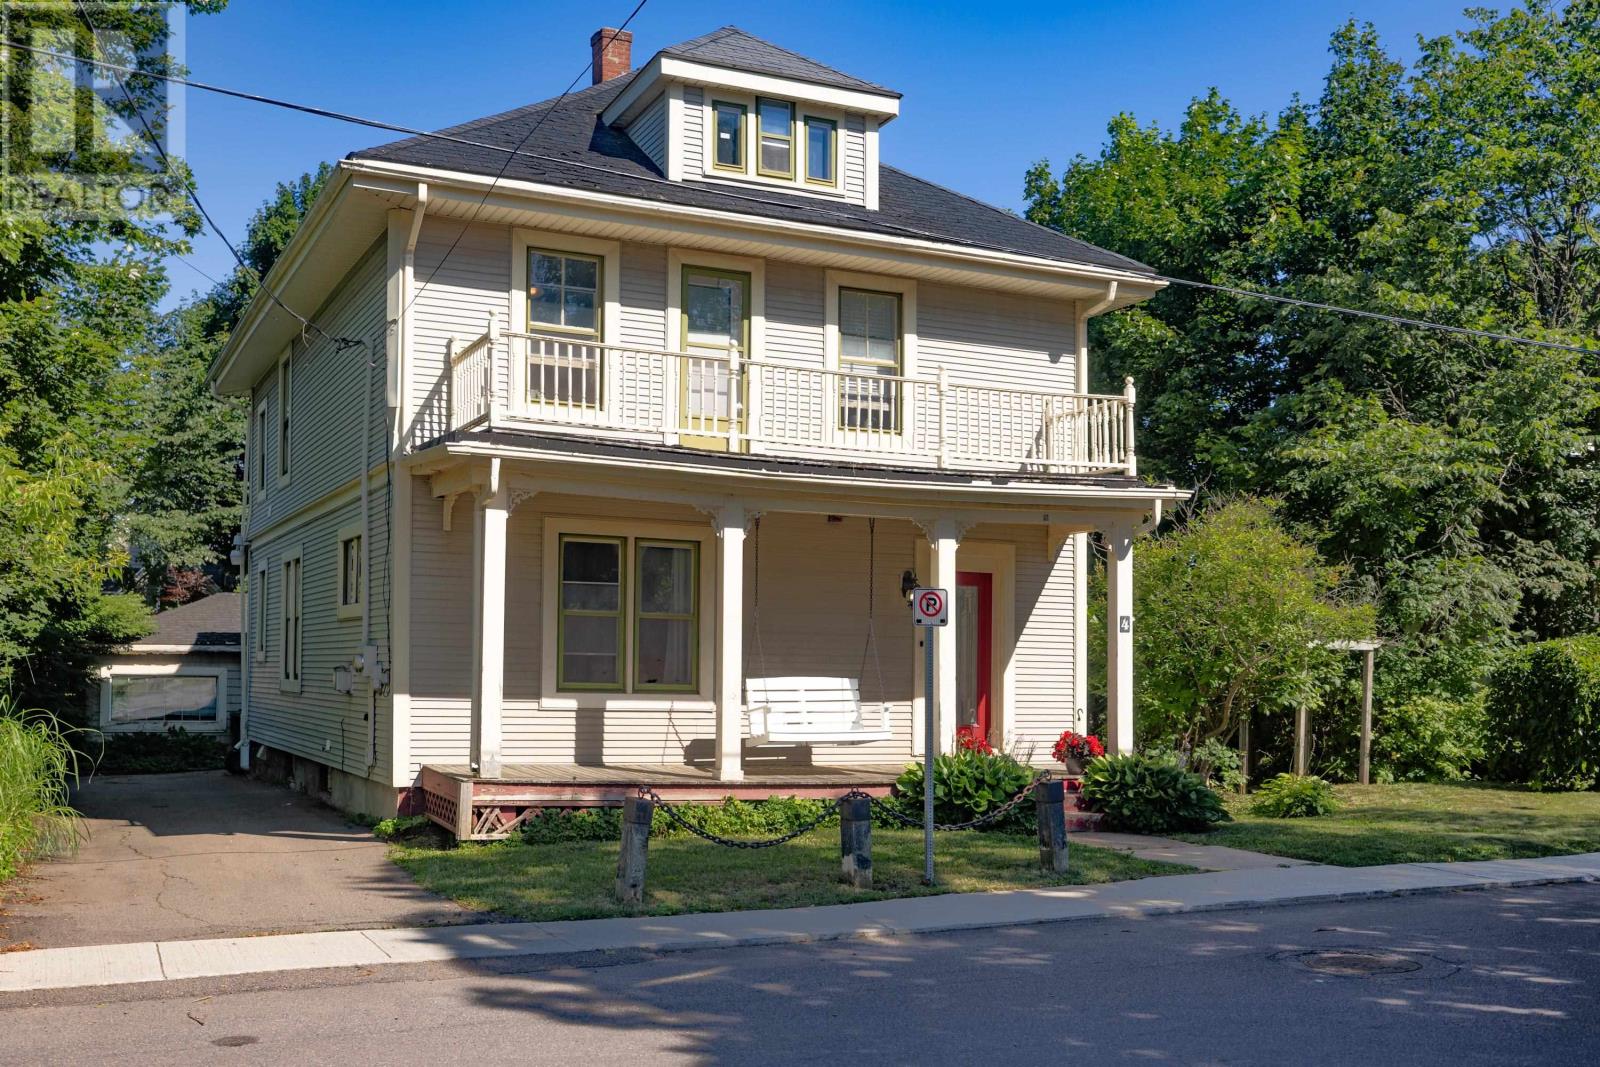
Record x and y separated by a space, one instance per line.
724 402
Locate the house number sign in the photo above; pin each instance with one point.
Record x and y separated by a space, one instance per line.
1124 624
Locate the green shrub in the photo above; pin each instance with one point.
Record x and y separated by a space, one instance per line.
1543 714
771 817
1149 795
967 784
37 769
1294 796
167 752
400 827
1427 739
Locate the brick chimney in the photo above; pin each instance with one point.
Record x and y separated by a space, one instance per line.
613 53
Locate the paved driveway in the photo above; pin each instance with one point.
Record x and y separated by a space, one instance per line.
211 855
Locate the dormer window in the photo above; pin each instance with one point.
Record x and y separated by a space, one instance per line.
822 135
775 154
729 150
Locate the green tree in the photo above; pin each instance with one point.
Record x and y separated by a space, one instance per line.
1454 479
1234 618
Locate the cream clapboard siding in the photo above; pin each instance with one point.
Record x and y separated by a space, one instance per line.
692 144
317 722
1046 636
644 296
853 158
456 292
998 339
812 621
794 313
649 132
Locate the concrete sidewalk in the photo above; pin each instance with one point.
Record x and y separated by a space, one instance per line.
152 961
1166 850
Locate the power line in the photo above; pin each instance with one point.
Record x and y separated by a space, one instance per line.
1400 320
818 209
484 199
340 343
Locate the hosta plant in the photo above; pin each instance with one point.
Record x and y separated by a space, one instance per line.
1142 795
967 784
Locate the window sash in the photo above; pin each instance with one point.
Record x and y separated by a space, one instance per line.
285 384
261 611
350 571
740 115
690 618
830 130
128 688
783 139
869 405
290 668
564 613
573 381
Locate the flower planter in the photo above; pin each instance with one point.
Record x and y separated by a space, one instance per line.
1074 766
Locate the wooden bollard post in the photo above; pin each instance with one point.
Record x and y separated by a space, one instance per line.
637 812
855 841
1049 801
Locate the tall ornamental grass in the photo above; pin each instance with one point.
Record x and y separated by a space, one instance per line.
37 768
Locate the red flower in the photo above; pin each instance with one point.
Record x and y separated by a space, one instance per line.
969 740
1073 745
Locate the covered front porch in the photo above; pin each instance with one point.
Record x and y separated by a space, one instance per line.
787 571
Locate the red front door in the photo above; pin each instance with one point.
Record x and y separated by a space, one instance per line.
974 652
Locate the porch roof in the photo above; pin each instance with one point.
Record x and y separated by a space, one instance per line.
595 466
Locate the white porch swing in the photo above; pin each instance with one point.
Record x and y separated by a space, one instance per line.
800 709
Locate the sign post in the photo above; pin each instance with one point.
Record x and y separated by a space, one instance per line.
929 608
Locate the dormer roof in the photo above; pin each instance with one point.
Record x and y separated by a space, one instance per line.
734 49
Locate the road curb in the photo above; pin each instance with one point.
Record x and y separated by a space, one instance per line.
154 962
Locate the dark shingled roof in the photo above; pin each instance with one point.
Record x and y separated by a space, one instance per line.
731 47
209 621
564 143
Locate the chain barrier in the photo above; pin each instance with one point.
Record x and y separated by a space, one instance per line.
985 819
831 811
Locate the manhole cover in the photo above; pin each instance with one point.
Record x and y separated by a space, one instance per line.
1353 963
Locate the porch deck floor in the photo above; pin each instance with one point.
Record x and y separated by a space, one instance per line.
778 776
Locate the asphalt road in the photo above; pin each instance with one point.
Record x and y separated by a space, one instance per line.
1504 977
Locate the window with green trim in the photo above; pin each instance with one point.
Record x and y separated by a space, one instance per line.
775 127
589 620
564 303
728 130
666 616
821 137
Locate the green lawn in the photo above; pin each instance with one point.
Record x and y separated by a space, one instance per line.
574 880
1417 823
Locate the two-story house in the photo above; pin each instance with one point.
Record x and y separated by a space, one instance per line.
627 420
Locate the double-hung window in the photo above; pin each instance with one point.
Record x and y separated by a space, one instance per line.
565 364
775 129
666 623
727 121
822 136
870 360
289 670
350 572
285 384
628 630
259 591
590 634
260 474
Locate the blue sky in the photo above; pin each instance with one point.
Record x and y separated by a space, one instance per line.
989 87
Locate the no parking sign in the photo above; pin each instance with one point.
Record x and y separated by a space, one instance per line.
930 607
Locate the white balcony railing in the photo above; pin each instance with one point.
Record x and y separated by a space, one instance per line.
503 379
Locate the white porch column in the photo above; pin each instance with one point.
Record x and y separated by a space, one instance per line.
1119 638
730 525
944 540
488 625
